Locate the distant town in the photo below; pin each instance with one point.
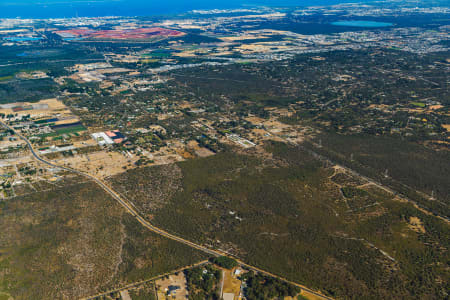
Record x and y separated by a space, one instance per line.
252 153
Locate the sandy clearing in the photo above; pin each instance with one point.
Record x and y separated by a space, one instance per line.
416 224
175 280
231 284
54 106
101 163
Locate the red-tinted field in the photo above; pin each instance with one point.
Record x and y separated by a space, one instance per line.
129 34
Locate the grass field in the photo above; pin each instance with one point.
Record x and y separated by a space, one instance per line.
418 104
6 78
61 131
72 129
157 54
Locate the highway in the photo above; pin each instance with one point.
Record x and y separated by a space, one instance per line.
116 196
129 208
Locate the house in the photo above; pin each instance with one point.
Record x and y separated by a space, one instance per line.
172 290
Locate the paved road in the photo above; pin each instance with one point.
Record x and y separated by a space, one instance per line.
123 202
138 283
145 223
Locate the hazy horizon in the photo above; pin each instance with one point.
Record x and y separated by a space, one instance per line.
62 8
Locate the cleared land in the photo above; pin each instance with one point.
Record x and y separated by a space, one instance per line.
100 163
178 280
231 284
42 108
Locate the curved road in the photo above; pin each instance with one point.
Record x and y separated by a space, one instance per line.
147 224
124 203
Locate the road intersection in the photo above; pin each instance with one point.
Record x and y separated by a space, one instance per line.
130 209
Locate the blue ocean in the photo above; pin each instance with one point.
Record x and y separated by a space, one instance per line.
99 8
